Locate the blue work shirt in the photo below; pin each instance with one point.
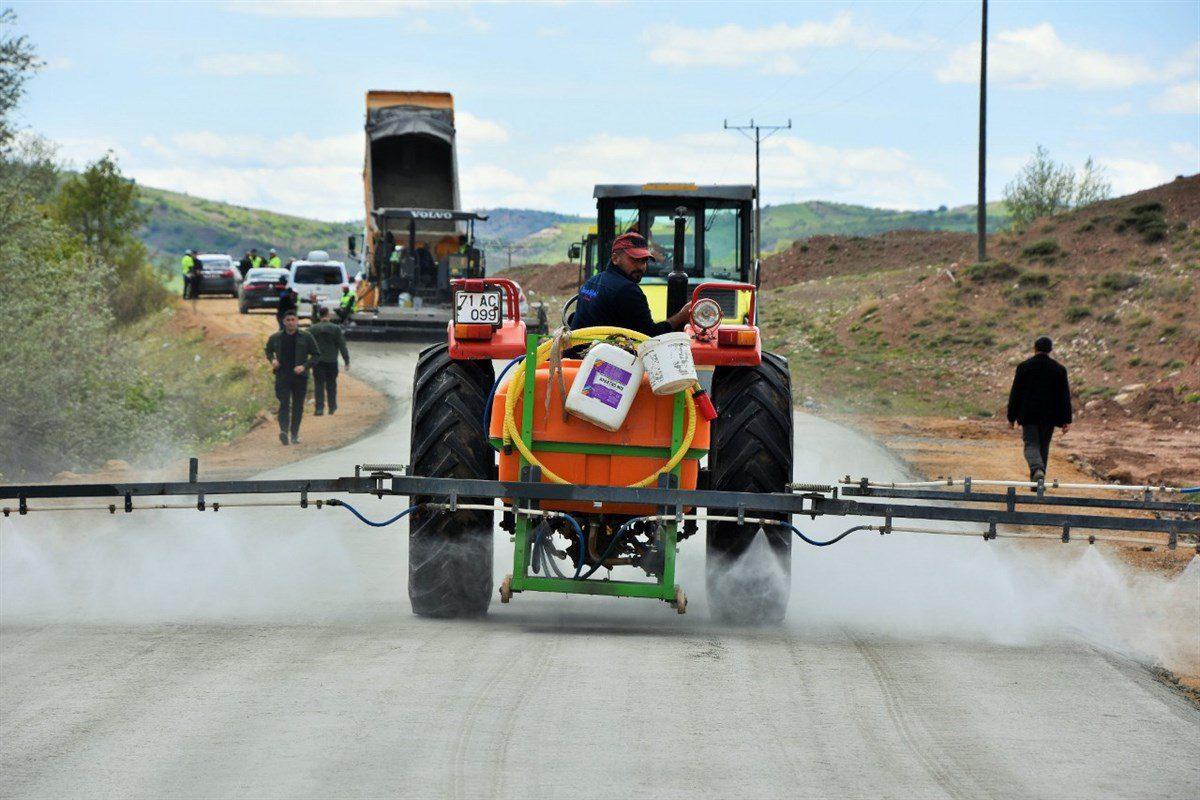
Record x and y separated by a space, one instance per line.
611 298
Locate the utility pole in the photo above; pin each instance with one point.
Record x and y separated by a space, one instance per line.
758 140
981 208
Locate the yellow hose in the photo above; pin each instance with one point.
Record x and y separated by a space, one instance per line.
513 434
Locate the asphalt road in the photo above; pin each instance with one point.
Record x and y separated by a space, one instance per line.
271 653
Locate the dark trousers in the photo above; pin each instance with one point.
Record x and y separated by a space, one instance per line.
290 392
325 377
1037 445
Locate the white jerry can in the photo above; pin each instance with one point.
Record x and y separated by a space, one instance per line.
604 388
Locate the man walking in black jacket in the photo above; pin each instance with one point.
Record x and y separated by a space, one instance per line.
1040 400
291 352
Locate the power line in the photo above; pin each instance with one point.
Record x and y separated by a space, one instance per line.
758 140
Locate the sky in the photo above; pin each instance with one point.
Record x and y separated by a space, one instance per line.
261 103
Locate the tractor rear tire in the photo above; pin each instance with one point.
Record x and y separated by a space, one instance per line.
450 554
751 451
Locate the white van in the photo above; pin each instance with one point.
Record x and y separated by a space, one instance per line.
318 275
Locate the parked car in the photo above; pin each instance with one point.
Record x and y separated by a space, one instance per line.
218 274
261 288
319 275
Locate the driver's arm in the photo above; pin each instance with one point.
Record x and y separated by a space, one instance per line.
630 306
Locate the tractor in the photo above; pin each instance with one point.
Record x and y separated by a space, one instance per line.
470 423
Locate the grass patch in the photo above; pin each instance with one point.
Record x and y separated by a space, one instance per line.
1077 313
991 271
1045 249
1119 281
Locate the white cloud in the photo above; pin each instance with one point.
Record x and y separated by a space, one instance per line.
1182 98
326 9
473 131
1031 58
232 65
767 47
1132 175
794 168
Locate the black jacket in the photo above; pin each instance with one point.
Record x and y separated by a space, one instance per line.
1040 393
610 298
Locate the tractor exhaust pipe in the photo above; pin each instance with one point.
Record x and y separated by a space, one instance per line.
677 281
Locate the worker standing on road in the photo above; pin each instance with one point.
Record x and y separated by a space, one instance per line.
612 297
274 262
332 341
1040 400
291 352
256 260
186 265
245 265
346 304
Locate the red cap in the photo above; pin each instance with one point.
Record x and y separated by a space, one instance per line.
632 243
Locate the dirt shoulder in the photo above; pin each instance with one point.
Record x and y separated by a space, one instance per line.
240 338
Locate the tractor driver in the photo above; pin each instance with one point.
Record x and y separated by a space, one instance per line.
612 297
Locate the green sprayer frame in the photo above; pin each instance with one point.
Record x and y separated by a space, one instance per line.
664 588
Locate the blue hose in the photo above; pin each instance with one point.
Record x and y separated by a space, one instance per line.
487 407
372 523
1190 490
537 544
834 540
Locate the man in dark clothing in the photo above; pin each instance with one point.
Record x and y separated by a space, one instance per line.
612 297
291 352
1040 400
332 341
288 301
245 265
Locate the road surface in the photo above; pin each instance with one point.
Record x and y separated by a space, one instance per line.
271 653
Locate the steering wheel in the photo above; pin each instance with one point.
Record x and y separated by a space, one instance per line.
566 311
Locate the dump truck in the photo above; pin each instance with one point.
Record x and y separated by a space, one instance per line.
416 237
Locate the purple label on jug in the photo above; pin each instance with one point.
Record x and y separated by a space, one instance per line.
606 382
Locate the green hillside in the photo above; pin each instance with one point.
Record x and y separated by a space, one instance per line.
179 221
784 224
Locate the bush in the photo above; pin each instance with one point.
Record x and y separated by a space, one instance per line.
1147 219
988 271
1119 281
1030 297
1033 279
1044 249
1077 313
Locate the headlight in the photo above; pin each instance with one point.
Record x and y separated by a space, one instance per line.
706 314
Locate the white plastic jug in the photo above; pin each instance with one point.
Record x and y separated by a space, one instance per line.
604 388
668 362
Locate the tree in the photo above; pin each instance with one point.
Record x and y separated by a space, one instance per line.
101 206
17 64
1044 188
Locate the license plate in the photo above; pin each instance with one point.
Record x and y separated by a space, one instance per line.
478 308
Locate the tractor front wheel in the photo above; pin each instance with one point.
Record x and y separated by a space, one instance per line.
450 554
748 572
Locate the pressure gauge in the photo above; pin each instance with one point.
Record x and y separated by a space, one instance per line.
706 314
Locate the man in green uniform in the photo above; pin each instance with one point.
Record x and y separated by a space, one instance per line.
256 260
291 352
186 265
274 262
332 341
346 304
